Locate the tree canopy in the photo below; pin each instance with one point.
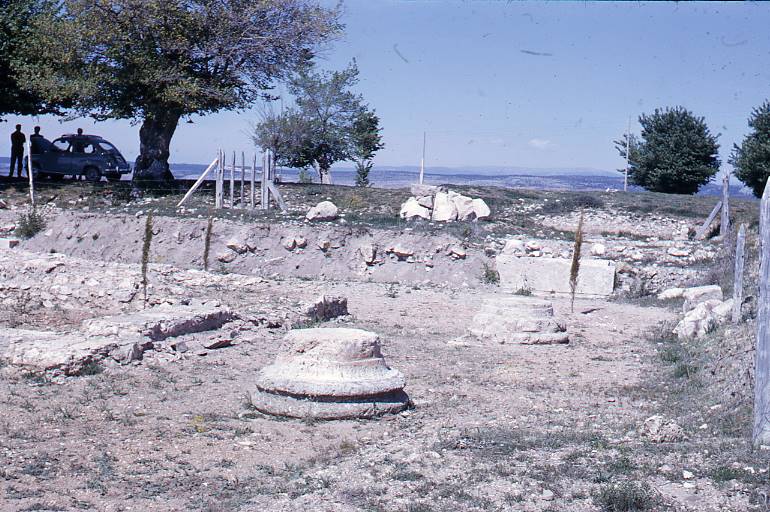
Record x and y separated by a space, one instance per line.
327 123
155 61
751 159
15 32
676 154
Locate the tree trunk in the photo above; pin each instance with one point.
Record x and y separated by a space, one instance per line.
151 169
324 173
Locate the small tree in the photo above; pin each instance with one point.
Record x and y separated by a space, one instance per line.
318 130
156 61
366 141
677 153
751 159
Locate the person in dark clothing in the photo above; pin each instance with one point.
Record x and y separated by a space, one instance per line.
17 150
37 141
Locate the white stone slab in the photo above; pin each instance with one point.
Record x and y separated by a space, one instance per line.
551 275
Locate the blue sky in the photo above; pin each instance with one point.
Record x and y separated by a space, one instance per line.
519 84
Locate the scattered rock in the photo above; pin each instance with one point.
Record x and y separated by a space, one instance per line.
660 430
704 318
678 252
671 293
216 343
401 252
369 253
9 243
323 211
226 257
444 209
696 295
237 247
598 249
411 208
327 307
513 247
457 253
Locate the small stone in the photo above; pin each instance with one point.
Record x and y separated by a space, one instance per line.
218 343
457 253
226 257
323 211
237 246
598 249
324 245
547 495
687 475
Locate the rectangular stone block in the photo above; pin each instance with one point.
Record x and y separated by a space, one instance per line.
551 275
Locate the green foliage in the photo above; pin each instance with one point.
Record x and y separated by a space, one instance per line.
15 32
29 224
147 242
626 496
366 141
207 242
751 159
155 61
677 153
490 275
574 269
573 203
328 123
363 168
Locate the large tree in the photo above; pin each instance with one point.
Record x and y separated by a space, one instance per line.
319 129
15 32
752 158
677 154
156 61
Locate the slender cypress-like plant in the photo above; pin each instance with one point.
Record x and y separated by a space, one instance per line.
146 253
207 243
574 269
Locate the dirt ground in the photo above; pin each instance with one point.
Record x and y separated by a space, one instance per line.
492 427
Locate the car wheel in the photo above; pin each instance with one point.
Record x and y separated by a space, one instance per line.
92 174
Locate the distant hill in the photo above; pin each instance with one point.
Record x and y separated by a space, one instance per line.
508 177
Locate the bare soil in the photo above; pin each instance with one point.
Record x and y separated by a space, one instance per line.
492 427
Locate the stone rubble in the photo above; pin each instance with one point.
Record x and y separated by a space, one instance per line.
518 320
433 203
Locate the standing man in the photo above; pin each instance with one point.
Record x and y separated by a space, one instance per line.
17 150
36 141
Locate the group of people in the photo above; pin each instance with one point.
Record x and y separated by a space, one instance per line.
37 142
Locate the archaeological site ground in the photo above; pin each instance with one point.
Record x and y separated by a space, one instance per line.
242 360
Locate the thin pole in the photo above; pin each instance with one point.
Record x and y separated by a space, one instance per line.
724 227
29 173
218 193
738 281
198 181
263 183
422 161
243 179
628 150
253 192
232 182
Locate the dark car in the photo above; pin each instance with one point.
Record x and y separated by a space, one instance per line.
89 156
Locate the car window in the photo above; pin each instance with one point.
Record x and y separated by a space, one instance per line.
89 148
106 146
61 145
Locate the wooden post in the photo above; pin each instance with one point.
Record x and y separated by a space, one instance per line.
702 230
263 183
724 227
253 191
232 183
219 194
738 281
243 179
199 181
761 433
29 174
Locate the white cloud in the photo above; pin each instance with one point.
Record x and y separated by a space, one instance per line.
539 143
